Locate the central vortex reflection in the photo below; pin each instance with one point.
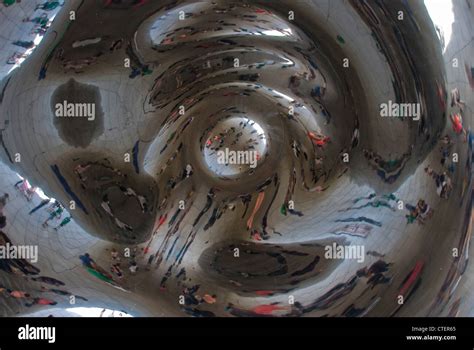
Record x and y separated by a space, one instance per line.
235 146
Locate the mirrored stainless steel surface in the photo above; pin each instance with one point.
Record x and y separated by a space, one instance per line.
229 158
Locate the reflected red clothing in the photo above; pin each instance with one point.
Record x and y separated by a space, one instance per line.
267 309
457 124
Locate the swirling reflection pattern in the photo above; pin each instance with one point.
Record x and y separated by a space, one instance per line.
236 160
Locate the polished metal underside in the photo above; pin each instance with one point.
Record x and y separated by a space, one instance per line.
297 83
